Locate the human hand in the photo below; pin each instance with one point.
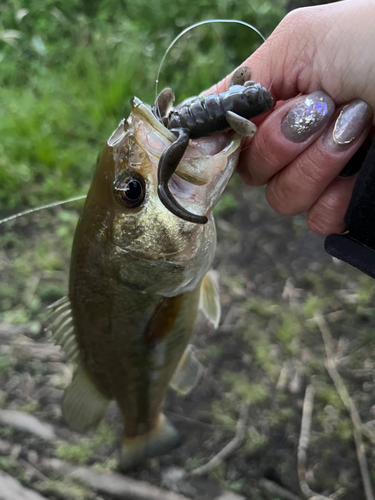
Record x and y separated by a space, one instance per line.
326 53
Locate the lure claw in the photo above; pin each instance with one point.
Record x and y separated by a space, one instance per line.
173 206
168 164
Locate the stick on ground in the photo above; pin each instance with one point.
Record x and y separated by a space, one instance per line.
230 448
348 402
303 444
276 489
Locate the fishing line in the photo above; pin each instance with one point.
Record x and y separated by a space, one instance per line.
186 30
49 205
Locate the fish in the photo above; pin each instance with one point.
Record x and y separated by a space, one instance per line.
139 276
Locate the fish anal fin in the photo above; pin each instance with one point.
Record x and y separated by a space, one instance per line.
83 405
162 439
187 374
209 301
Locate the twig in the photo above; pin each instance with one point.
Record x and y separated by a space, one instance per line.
337 494
277 490
225 329
189 420
303 444
112 484
33 470
11 489
231 447
331 316
304 439
368 433
348 402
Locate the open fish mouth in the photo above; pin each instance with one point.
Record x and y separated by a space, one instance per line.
204 170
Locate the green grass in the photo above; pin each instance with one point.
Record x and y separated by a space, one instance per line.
67 77
5 363
250 393
67 490
80 452
67 73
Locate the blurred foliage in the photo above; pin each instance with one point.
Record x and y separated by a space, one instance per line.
78 453
68 70
67 73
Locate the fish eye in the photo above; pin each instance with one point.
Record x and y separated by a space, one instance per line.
130 190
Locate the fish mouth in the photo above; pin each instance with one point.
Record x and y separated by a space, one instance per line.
205 169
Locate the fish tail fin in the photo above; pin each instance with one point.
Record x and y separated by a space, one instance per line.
160 440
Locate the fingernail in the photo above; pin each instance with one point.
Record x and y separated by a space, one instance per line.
308 116
351 122
354 164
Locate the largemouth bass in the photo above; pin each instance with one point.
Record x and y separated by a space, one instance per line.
138 278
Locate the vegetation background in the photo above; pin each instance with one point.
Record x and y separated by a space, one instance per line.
67 72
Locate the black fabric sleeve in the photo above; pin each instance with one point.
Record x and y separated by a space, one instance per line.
357 245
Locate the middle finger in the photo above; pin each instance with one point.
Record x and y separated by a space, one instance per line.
283 135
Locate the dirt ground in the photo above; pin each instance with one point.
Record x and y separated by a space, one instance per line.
275 280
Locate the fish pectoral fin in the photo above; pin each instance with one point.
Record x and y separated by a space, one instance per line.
83 405
209 301
160 440
187 374
241 125
60 324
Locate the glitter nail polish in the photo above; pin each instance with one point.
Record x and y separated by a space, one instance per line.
308 116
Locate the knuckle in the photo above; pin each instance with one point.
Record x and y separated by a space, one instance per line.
293 19
326 216
300 20
264 159
294 43
318 225
312 169
298 186
295 22
245 175
279 198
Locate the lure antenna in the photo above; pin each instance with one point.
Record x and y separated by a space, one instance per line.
208 21
37 209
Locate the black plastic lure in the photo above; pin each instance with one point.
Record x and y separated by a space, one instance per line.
204 116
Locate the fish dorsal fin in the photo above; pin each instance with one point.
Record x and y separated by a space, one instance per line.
209 301
187 374
60 324
83 405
